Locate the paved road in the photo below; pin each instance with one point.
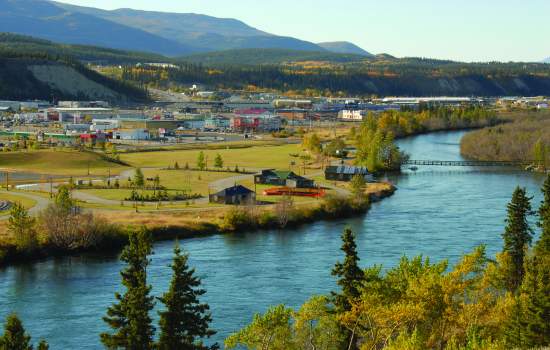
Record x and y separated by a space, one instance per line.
41 202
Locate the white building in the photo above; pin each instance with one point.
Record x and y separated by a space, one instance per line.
351 115
132 134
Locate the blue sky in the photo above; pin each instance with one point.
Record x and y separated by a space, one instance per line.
467 30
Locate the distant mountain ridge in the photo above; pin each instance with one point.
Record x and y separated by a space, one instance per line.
170 34
344 47
45 20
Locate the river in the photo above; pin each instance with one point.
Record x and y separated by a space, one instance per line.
437 211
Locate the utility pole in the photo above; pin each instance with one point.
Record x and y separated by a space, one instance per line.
7 181
51 187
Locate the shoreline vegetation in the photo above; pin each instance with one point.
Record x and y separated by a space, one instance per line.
58 235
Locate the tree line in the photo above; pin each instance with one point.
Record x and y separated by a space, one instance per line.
380 78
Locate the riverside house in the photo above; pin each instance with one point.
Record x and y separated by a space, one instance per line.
283 178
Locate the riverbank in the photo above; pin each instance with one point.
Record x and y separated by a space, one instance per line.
170 226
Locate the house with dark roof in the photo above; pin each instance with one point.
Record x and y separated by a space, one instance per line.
346 173
236 195
283 178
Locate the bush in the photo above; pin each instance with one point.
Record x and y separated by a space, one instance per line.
239 218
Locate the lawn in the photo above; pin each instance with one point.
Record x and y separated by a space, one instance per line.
256 157
70 163
174 180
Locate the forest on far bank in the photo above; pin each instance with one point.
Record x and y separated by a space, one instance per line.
527 139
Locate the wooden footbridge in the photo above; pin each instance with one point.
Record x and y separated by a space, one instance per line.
472 163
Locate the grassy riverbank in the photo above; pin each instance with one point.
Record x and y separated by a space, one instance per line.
182 225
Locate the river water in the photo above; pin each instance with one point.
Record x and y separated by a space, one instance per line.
437 211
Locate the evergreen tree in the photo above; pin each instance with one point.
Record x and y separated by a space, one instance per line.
536 287
129 317
349 274
43 345
517 235
185 322
22 228
514 327
542 246
15 337
64 201
218 161
358 185
201 161
139 179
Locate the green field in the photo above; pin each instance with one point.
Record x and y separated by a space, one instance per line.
71 163
256 157
174 180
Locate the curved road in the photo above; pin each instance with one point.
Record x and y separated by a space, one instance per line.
41 202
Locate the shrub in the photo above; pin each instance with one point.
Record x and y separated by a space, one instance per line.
238 218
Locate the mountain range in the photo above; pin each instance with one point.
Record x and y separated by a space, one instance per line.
172 34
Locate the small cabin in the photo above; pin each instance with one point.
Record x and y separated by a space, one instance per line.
235 195
346 173
283 178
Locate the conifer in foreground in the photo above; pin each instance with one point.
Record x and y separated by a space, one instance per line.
185 321
129 316
349 273
517 235
15 337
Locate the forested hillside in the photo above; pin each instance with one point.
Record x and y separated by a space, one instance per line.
381 76
254 57
25 45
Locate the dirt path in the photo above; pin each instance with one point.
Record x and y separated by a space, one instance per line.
41 202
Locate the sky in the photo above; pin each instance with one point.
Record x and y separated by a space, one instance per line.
465 30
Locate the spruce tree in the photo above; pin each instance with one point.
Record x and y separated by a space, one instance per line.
542 246
536 285
515 326
185 321
129 316
43 345
201 161
517 235
139 179
22 228
218 161
536 289
349 274
15 337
